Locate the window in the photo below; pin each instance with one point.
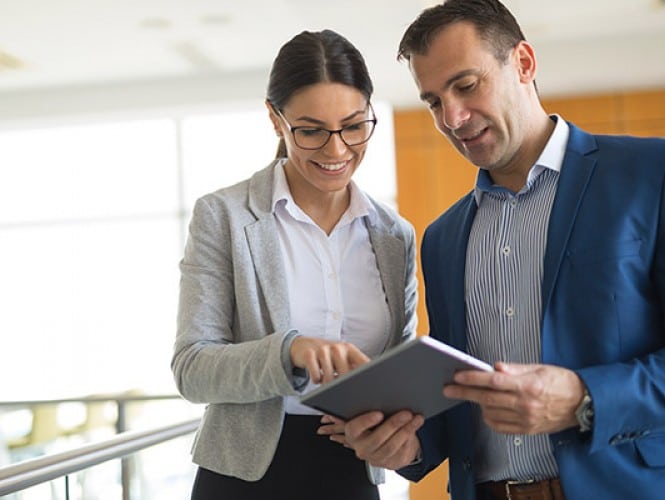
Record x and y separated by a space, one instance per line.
91 223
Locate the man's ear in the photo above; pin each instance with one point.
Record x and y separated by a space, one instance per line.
525 59
274 119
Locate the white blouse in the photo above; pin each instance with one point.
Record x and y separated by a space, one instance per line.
334 287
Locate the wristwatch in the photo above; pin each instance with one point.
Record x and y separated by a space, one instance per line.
584 412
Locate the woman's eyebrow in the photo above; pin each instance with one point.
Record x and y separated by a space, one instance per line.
319 122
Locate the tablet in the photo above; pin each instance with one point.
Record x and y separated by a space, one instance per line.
410 376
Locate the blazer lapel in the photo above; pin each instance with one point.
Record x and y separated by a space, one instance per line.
575 174
264 248
391 261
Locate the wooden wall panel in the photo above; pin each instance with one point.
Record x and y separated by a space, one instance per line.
634 113
597 114
431 176
589 109
643 106
655 128
415 126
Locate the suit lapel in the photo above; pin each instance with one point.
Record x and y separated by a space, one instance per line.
456 284
576 172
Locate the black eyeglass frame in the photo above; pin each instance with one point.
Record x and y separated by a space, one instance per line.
330 132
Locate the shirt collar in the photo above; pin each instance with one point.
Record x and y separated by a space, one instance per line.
359 204
550 158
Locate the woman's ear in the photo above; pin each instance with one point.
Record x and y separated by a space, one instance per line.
274 119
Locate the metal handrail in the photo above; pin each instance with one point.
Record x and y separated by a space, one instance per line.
31 472
121 400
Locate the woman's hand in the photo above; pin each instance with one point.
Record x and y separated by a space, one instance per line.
334 428
384 442
325 360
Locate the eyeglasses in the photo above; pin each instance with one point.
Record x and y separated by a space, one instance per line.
307 137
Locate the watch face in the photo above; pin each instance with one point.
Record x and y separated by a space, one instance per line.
584 413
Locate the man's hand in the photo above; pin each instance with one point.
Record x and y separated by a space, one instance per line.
391 443
324 360
522 399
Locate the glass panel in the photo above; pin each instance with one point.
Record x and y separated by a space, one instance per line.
377 173
222 149
149 473
92 305
88 171
164 471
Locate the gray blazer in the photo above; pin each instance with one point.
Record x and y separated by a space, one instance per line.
233 317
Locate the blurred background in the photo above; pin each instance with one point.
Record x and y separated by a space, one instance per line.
115 115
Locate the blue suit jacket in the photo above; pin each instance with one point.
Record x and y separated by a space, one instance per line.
603 294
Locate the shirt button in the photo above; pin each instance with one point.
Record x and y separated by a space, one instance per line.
510 312
517 441
506 250
513 202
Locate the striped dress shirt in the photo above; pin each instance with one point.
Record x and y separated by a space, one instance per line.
504 271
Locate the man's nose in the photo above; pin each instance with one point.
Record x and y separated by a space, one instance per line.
455 114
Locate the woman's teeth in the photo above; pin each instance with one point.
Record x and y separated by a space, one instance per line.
332 166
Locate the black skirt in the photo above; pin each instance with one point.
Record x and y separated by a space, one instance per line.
306 466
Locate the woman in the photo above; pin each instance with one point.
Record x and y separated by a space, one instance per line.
288 279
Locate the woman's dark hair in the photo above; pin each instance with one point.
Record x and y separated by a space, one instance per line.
315 57
492 20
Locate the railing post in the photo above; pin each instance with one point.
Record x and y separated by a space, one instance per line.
125 466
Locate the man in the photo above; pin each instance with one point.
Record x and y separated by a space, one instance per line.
553 268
